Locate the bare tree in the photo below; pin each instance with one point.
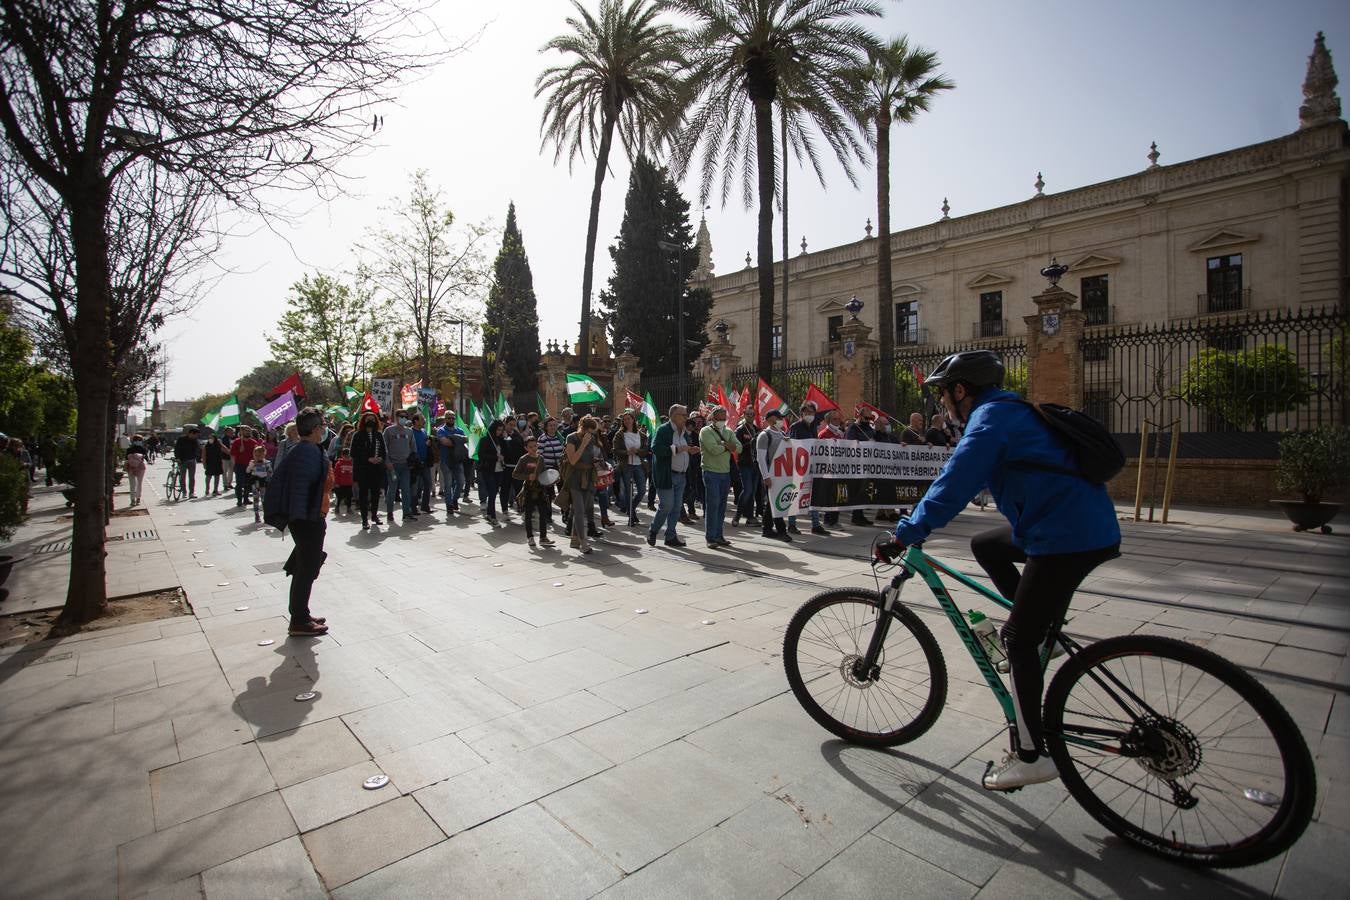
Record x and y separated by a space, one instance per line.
240 94
432 275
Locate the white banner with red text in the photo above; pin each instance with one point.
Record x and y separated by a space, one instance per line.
830 475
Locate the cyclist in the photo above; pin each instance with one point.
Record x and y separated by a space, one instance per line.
1061 527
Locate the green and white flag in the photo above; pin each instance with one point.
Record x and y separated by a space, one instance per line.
581 389
477 429
648 414
352 393
229 411
504 407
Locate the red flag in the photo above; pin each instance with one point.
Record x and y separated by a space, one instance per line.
408 394
291 384
765 400
918 375
819 398
743 403
879 413
368 404
631 400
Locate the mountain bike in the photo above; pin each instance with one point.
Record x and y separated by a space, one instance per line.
1166 744
173 484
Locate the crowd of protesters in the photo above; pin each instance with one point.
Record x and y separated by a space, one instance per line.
563 474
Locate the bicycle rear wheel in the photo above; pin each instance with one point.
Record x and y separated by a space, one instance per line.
823 649
1179 751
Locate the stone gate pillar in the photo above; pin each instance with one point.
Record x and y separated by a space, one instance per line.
719 360
1054 351
553 365
853 358
627 376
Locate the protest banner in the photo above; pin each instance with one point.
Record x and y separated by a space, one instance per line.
426 396
831 476
382 389
279 411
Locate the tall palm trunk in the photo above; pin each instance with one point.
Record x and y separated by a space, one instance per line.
885 306
592 228
764 154
87 592
782 132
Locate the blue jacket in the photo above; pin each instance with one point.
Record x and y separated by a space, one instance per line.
306 469
1049 512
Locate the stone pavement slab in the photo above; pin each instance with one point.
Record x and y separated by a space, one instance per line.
571 746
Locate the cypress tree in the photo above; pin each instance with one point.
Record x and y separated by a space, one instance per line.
511 326
641 297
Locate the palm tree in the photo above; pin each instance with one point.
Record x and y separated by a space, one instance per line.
742 53
896 85
623 76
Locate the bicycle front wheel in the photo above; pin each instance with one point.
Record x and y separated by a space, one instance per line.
823 649
1179 751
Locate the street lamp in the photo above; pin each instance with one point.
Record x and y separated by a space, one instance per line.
677 251
459 409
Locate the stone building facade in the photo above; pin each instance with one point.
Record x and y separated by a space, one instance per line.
1262 227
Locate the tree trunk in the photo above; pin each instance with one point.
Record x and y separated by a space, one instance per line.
592 228
783 323
885 304
764 157
87 594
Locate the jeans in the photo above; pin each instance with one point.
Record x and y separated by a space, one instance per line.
536 507
134 481
187 475
634 486
669 509
715 487
241 485
745 508
227 469
304 564
400 478
452 479
1040 596
422 488
487 492
368 495
210 480
815 520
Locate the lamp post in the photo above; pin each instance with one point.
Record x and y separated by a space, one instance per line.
675 250
459 409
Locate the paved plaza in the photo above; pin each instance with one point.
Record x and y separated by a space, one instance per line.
617 725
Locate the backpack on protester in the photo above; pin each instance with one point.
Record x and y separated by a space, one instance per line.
1095 450
276 497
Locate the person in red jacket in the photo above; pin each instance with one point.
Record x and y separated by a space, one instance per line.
241 453
342 480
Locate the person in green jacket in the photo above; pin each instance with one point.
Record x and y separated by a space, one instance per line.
717 443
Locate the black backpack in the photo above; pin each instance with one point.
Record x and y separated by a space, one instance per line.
1098 455
277 494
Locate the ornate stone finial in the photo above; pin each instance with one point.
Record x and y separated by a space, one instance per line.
1320 103
1054 272
722 328
1153 155
627 345
854 307
803 245
946 208
704 270
1040 185
747 259
867 231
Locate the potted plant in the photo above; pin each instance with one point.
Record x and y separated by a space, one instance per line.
1311 464
63 472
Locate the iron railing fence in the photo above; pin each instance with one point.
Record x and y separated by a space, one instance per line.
908 361
1265 371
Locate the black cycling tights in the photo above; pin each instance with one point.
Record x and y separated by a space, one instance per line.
1040 595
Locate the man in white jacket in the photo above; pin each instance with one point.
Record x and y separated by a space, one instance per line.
766 448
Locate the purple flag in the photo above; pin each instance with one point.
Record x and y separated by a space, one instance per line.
279 411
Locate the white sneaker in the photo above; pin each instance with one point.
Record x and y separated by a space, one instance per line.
1004 667
1013 773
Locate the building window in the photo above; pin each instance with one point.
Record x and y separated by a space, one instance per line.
1096 293
1223 283
833 324
777 338
991 314
907 323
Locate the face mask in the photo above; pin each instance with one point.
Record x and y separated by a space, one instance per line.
403 422
520 423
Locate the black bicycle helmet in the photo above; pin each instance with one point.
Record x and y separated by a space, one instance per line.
977 368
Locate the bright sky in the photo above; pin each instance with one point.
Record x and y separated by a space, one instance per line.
1076 90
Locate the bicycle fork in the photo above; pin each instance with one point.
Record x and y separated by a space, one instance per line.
866 668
